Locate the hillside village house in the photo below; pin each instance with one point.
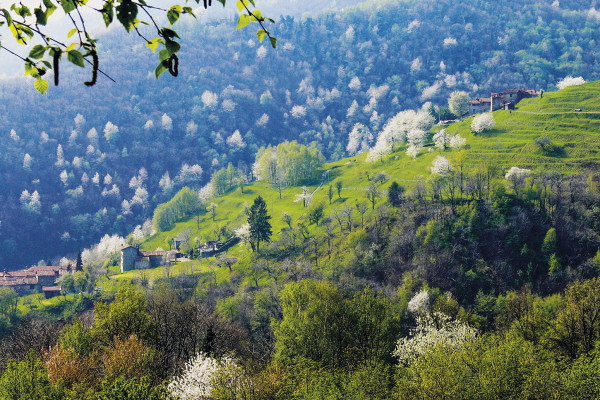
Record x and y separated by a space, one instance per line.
40 278
505 100
132 258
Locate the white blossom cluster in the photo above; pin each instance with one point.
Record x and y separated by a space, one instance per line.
210 99
441 166
110 130
298 111
457 142
406 126
432 330
235 141
30 201
142 231
419 302
190 173
166 122
570 81
107 247
354 83
441 139
195 382
359 139
206 193
243 233
482 123
518 173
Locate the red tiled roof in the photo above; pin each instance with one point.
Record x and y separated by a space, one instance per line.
46 273
126 247
18 281
480 101
17 274
51 289
46 268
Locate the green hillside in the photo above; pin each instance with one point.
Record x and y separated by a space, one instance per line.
575 146
574 134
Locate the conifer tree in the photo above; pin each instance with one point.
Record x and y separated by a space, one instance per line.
79 262
260 227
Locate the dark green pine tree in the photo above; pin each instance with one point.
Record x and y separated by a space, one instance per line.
260 227
79 262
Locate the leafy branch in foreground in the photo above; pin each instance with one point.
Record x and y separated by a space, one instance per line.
27 25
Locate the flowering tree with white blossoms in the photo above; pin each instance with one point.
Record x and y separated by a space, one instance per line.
419 302
359 139
432 330
570 81
457 142
441 139
441 166
107 247
243 233
517 176
482 123
196 381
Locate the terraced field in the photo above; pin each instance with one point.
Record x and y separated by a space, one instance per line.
575 135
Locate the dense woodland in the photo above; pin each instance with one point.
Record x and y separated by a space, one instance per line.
81 163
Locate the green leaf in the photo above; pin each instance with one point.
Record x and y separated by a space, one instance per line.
76 58
257 16
37 52
17 34
47 64
160 69
68 5
174 13
261 34
40 16
41 85
242 4
243 21
108 12
50 7
127 13
7 16
189 10
273 41
163 55
172 47
72 32
169 33
71 47
222 2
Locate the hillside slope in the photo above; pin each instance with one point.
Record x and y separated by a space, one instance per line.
574 135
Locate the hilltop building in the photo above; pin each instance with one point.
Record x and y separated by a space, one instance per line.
505 100
133 258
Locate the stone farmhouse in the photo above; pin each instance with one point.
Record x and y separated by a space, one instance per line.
505 100
132 258
36 279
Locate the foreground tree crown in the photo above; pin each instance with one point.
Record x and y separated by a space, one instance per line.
27 26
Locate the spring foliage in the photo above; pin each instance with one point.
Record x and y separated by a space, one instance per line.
184 204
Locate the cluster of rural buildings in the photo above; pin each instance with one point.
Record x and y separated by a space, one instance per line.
45 278
132 258
505 100
36 279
